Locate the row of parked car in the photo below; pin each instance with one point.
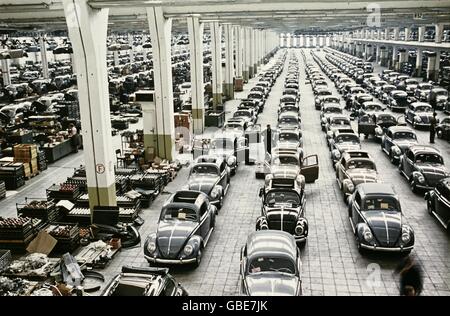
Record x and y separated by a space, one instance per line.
188 217
422 165
373 208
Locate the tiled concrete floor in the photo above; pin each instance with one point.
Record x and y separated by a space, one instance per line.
331 262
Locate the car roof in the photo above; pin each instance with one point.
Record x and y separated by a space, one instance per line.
424 148
186 199
399 128
271 242
209 159
414 104
350 154
368 189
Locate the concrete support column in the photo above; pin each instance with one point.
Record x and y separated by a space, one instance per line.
44 61
116 58
438 32
420 33
387 34
131 52
247 52
419 57
402 58
433 66
383 56
239 40
195 31
229 61
144 50
379 34
396 33
163 139
216 67
6 73
87 29
393 63
253 66
407 33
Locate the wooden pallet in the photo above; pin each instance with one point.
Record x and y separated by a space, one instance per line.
32 175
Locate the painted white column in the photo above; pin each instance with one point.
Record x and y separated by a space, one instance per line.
160 33
195 31
44 61
439 29
216 66
229 61
396 33
239 41
253 47
131 51
421 33
87 29
6 73
407 33
419 57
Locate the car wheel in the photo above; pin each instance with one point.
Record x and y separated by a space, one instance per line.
414 125
413 186
391 157
344 197
361 250
439 134
430 208
198 259
220 203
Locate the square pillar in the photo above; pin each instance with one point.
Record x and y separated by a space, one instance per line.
163 139
246 55
6 72
407 33
433 66
393 63
396 33
195 31
419 57
216 67
421 33
44 61
87 29
131 51
229 61
438 32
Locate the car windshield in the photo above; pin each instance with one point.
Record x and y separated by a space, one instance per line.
429 158
233 126
425 87
279 197
255 96
405 135
361 164
373 107
442 92
386 119
180 214
271 264
424 108
331 100
241 113
205 169
222 143
347 139
285 160
289 120
388 88
381 204
130 288
289 108
446 120
323 92
288 137
411 82
340 121
332 109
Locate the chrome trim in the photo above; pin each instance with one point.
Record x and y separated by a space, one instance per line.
394 249
169 261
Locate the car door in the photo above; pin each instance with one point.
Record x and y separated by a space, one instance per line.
205 219
356 210
366 125
388 141
443 202
408 163
310 168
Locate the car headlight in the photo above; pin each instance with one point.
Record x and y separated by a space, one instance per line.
419 177
396 150
231 160
151 247
215 193
324 120
188 249
406 235
336 154
368 236
394 102
379 131
299 229
350 186
417 119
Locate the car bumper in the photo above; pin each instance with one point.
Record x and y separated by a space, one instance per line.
300 239
169 261
423 124
424 187
398 108
393 249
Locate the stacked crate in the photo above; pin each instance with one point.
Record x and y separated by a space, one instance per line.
27 154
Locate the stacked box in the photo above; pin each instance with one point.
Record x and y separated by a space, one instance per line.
2 189
13 175
27 154
42 161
